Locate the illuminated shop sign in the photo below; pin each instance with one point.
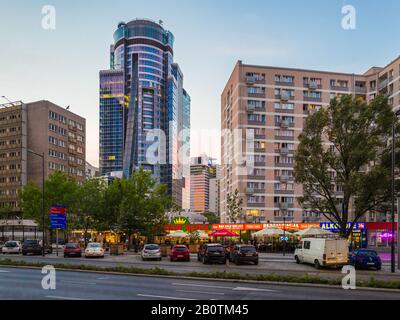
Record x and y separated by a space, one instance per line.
334 226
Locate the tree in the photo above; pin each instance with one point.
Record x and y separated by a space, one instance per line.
234 206
351 172
58 189
143 204
211 217
90 206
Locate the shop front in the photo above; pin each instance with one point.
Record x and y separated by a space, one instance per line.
380 234
358 237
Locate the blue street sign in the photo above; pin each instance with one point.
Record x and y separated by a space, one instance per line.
282 238
58 221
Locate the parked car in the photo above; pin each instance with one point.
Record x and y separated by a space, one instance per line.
244 253
151 251
365 259
72 250
94 249
211 253
322 252
31 247
180 252
12 247
1 244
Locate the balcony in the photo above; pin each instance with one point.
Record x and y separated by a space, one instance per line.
281 219
340 88
284 83
284 191
312 85
260 150
311 219
286 138
284 165
254 80
256 177
360 90
284 178
284 205
72 128
283 151
382 84
254 190
256 94
284 124
260 136
259 163
284 97
284 110
312 99
256 204
256 122
251 109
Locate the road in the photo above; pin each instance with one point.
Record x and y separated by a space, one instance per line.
270 263
22 283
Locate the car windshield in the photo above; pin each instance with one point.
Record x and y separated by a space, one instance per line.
71 246
151 247
10 244
31 242
247 249
94 245
367 254
216 249
180 248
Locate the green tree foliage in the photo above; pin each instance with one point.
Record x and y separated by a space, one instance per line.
356 163
211 217
234 206
59 189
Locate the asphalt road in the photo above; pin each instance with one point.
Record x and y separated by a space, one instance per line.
22 283
270 263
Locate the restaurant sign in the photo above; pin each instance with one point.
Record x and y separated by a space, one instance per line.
183 224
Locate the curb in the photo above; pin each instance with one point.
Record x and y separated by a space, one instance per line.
293 284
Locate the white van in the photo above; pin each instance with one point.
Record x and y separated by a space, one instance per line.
322 252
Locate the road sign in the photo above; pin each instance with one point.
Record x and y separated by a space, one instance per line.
58 217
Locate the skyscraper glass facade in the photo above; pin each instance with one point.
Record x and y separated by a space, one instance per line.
153 95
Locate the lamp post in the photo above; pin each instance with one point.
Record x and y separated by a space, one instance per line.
43 213
284 234
392 243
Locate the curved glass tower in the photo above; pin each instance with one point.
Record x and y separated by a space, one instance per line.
142 58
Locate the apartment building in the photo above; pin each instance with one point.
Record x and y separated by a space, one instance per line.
215 185
30 130
60 135
13 153
268 106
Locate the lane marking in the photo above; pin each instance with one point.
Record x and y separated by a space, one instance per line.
64 298
200 285
4 271
162 297
78 282
103 278
203 292
253 289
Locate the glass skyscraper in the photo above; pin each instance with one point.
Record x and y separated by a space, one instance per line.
142 92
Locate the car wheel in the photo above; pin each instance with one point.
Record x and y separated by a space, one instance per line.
256 262
297 259
159 259
24 253
317 265
378 268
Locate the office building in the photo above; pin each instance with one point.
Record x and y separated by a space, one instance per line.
268 106
142 94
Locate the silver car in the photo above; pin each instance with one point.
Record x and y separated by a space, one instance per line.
151 251
12 247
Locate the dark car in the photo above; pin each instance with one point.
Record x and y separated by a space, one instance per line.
365 259
244 253
72 250
180 252
31 247
211 253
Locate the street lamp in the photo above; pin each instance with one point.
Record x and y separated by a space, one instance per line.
43 213
284 234
392 244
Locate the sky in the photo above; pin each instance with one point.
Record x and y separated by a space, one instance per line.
62 65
